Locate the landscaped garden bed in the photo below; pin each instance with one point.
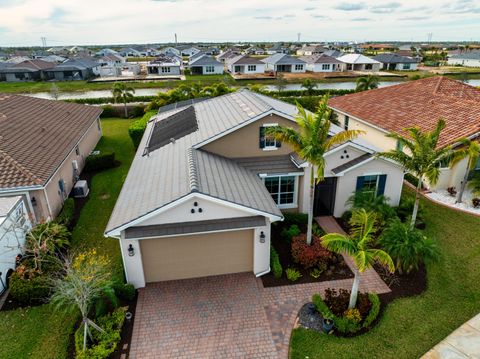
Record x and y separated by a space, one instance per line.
308 264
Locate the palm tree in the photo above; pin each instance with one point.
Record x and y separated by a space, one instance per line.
367 83
311 141
122 93
422 159
358 245
309 86
470 150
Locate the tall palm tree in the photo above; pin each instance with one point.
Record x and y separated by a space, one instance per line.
367 83
422 157
471 151
311 141
358 245
122 93
309 86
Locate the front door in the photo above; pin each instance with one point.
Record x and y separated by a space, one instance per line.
324 201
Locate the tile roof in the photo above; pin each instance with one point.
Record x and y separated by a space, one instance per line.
31 66
36 135
417 103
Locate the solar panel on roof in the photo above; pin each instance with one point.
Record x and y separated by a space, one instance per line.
181 104
172 128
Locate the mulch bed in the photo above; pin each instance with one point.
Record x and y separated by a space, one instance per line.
338 269
12 304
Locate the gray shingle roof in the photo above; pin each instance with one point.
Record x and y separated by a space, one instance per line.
320 59
205 61
268 164
282 59
352 163
394 59
470 55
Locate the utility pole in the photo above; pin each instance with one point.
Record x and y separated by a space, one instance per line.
298 36
44 42
175 39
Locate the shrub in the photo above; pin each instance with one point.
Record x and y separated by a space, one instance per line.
100 162
476 202
293 274
374 310
407 247
353 315
33 290
377 204
104 343
315 92
291 232
452 191
66 215
138 110
275 264
309 255
108 111
317 230
411 179
137 128
346 325
295 218
338 301
405 209
316 273
124 291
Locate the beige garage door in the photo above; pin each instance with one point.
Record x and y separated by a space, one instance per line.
197 255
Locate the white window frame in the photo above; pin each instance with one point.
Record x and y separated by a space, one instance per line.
325 66
251 68
209 69
376 184
295 189
274 147
298 67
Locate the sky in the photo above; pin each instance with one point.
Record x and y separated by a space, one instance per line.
82 22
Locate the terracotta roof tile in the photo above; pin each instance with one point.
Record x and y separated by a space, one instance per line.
36 135
417 103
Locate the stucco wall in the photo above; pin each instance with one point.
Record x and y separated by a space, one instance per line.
335 159
245 141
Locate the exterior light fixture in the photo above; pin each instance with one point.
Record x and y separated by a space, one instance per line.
262 237
34 201
131 250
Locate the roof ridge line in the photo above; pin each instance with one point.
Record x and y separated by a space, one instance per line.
192 170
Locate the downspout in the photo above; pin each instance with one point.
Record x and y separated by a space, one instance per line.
48 204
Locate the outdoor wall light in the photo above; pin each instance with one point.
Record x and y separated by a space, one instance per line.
34 201
262 237
131 250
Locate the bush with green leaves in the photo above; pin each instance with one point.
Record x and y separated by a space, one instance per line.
408 247
29 291
137 128
275 264
405 209
100 162
374 310
103 343
293 274
66 215
297 218
290 232
125 291
108 111
377 204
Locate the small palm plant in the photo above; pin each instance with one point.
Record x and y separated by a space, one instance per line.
471 151
423 158
359 245
85 279
309 86
311 141
367 83
122 94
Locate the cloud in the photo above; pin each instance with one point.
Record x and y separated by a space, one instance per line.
310 8
359 19
345 6
386 8
324 17
413 18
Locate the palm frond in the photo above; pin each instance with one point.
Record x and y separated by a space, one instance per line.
338 243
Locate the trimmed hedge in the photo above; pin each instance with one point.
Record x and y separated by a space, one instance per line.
29 291
275 264
103 100
315 92
297 218
124 291
100 162
137 128
66 215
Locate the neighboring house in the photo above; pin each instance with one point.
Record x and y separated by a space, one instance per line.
223 182
245 65
418 103
169 51
189 51
164 65
129 52
106 52
29 70
224 56
211 51
359 62
53 58
3 66
254 51
14 226
396 62
284 63
468 59
323 63
74 69
44 149
205 65
311 50
333 53
278 48
112 65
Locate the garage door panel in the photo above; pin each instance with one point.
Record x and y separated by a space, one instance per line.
198 255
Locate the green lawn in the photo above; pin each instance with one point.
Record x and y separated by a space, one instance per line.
411 326
43 332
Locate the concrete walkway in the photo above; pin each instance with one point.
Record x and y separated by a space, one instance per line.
463 343
370 278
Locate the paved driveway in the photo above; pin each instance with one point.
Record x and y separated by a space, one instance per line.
229 316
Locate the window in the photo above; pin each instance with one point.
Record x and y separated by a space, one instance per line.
368 66
399 145
370 184
165 69
268 142
373 184
238 69
252 67
282 189
209 69
298 67
325 66
406 66
445 163
346 123
77 151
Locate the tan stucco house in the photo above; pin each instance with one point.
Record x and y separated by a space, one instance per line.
206 183
419 103
43 146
